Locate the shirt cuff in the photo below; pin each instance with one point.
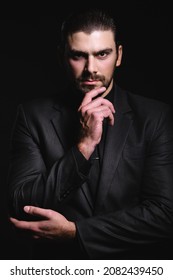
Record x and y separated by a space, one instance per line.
82 163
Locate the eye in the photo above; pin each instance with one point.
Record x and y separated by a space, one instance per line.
76 55
103 54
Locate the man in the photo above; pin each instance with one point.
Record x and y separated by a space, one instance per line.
91 172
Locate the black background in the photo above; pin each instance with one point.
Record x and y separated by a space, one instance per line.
29 69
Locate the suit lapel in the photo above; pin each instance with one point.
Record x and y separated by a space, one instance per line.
115 140
59 124
65 124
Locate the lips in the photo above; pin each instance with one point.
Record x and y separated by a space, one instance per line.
89 82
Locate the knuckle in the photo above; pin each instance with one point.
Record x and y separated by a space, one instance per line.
100 99
83 111
88 112
94 114
49 212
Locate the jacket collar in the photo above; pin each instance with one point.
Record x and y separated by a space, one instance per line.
115 141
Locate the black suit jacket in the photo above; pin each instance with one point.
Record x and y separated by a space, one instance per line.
133 213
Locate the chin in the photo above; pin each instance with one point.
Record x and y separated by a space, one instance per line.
87 88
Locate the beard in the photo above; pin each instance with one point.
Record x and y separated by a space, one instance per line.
85 77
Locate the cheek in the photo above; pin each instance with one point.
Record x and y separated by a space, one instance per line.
76 67
107 68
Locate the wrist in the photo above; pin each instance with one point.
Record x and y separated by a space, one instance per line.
86 148
72 230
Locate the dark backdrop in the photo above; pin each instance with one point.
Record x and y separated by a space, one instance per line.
29 69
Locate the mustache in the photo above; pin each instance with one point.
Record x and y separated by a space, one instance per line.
94 77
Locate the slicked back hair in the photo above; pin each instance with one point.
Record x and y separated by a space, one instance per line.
87 21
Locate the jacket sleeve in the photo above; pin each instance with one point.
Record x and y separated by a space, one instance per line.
30 181
150 222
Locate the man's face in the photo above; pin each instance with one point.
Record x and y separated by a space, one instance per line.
92 59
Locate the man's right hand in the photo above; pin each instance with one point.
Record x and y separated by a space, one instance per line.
93 111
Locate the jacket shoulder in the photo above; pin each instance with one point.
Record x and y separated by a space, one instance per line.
38 107
147 106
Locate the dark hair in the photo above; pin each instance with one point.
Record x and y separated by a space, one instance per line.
87 21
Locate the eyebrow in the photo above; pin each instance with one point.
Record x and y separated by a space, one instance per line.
73 51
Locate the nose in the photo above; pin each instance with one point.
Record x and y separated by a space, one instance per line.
91 65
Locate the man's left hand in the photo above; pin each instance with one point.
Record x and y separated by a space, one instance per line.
52 225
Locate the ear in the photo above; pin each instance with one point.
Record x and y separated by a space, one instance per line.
119 55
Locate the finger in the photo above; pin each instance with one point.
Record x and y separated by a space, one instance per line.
23 224
103 109
98 114
99 102
90 95
104 114
111 119
32 227
37 211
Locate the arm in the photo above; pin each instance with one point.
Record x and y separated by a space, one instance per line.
147 223
31 180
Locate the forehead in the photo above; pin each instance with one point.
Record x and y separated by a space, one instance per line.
95 40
